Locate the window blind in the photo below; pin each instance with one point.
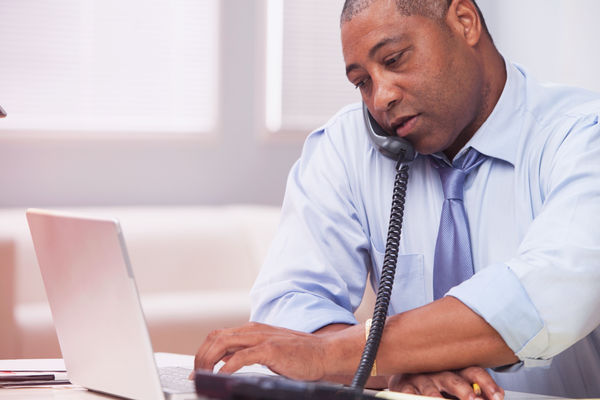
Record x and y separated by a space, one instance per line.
109 65
306 81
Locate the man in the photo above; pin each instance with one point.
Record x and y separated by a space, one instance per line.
429 72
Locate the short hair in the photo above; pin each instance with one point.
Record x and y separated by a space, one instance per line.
435 9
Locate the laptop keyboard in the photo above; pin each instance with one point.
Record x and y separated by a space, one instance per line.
176 380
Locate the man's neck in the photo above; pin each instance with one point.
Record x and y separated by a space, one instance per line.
495 78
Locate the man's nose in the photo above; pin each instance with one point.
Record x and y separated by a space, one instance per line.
385 95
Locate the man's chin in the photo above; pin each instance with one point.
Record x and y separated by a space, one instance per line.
427 148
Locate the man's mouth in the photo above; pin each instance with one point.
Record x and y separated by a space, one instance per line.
403 126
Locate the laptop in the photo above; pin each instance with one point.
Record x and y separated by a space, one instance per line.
102 331
96 309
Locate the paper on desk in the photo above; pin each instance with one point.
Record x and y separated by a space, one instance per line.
509 395
385 394
34 365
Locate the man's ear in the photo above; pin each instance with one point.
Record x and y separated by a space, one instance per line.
464 19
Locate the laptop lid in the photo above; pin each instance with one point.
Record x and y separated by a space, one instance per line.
95 304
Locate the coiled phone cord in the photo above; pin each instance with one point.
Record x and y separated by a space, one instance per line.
387 278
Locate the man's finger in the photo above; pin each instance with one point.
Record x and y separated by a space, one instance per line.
414 384
484 380
427 385
242 358
250 327
223 345
405 388
456 385
208 343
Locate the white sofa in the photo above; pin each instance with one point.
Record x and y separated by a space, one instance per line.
194 267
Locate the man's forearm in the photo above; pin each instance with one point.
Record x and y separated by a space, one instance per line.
374 382
442 335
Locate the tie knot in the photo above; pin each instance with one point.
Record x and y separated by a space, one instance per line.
453 180
453 177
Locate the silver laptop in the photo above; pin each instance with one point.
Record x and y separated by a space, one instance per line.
96 308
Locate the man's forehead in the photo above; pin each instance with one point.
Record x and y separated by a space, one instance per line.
375 25
374 48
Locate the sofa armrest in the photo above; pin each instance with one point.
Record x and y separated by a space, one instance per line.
8 345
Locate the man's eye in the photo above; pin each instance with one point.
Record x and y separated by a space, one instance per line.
398 58
360 84
391 60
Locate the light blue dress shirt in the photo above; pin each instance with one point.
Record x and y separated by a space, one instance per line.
533 210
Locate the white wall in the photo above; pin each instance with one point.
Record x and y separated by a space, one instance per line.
239 165
557 39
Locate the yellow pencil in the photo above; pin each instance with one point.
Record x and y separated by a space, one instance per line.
476 389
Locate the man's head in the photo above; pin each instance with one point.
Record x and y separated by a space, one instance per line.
427 69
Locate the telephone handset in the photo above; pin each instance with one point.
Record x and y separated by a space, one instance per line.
390 146
403 152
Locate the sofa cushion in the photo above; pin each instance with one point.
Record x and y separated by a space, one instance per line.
194 267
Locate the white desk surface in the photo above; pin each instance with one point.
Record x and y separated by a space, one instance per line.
74 392
62 392
47 392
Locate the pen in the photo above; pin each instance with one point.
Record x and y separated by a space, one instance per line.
22 378
34 383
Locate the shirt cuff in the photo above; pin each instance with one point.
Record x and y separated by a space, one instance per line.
496 294
304 312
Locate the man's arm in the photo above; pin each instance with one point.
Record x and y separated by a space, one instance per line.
374 382
455 382
442 335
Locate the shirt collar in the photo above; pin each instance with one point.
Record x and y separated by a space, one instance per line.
498 136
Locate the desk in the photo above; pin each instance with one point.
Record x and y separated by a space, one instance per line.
54 393
75 392
62 392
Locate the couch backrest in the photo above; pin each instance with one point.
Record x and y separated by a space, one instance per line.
171 248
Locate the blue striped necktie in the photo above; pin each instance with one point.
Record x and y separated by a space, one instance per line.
453 260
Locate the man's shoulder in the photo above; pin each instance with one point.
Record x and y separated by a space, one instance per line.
554 104
553 113
345 129
347 117
555 116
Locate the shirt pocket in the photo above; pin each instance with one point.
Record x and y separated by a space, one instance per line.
408 291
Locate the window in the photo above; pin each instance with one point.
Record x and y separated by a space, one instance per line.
110 66
306 82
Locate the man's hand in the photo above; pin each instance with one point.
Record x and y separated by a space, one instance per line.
290 353
456 383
